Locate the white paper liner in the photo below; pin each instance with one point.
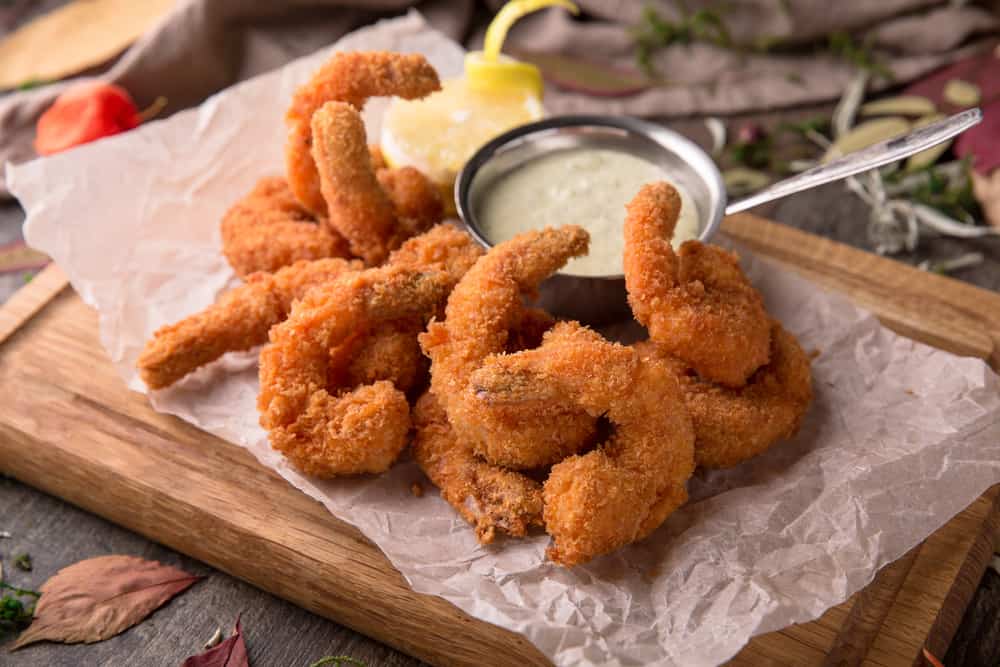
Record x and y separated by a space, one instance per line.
901 436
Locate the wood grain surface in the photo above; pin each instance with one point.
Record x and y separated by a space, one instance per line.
70 427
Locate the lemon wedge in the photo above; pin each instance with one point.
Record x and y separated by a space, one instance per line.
439 133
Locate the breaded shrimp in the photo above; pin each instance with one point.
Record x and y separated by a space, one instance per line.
351 78
358 207
489 497
624 489
363 430
483 308
443 247
416 202
269 229
388 352
240 320
242 317
697 304
733 425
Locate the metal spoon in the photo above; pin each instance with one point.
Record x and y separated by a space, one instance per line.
869 158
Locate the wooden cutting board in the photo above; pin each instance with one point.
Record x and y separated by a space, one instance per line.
70 427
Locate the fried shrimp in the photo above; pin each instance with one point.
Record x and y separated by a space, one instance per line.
351 78
483 308
733 425
623 490
240 320
697 304
489 497
269 229
358 206
443 247
327 433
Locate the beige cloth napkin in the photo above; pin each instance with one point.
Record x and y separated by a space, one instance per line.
206 45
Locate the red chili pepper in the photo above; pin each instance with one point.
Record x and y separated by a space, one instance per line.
84 113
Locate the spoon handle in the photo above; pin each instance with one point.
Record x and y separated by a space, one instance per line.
863 160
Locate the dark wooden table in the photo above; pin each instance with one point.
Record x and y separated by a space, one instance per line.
57 534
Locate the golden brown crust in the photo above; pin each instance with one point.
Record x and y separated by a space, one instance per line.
733 425
351 78
268 229
624 489
697 304
488 497
324 432
240 320
484 307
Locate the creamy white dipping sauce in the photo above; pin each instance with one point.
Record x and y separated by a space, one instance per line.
582 186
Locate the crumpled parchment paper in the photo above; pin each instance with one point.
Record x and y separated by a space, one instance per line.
901 436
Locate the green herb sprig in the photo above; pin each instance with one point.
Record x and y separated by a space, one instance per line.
841 45
15 612
23 562
654 32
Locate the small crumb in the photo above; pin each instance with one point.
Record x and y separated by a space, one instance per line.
417 489
812 354
4 533
910 392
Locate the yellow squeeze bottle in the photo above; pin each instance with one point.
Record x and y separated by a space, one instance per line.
439 133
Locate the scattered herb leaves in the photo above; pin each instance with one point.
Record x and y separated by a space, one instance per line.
15 612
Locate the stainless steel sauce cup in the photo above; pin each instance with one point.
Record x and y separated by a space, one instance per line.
591 299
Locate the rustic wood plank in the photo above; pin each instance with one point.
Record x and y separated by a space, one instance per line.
101 447
26 302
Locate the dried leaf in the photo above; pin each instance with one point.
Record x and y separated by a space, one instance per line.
589 78
16 256
983 70
982 142
961 93
740 180
867 133
902 105
987 191
74 37
97 598
230 653
926 158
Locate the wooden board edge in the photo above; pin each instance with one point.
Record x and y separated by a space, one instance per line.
965 584
974 309
507 647
869 611
27 301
